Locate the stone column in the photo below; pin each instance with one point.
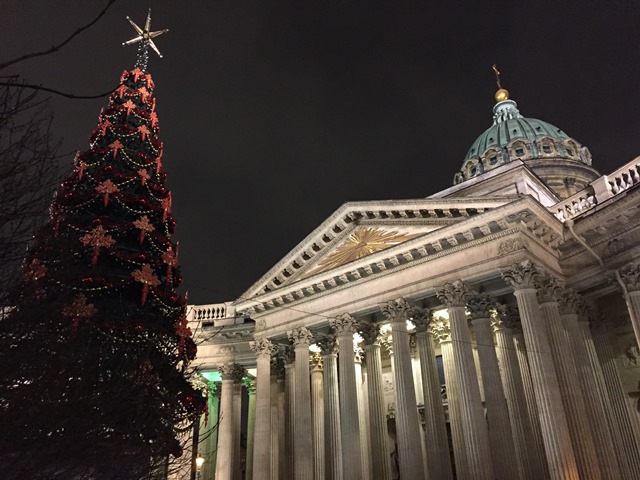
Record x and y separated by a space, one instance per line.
380 459
407 422
289 412
260 442
365 454
553 422
440 326
250 385
627 469
532 404
281 431
303 426
237 429
571 304
630 275
530 465
500 433
454 296
565 366
625 417
274 440
437 443
317 408
226 438
332 432
210 432
345 326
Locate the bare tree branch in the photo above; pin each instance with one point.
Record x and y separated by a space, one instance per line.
58 92
56 48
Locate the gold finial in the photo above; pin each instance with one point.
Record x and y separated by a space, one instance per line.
502 93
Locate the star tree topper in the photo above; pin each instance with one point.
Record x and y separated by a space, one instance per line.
145 39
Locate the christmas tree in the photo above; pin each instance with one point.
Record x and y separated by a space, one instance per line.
95 351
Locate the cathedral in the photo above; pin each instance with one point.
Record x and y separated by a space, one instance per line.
487 331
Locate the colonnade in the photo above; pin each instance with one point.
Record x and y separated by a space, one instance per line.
553 407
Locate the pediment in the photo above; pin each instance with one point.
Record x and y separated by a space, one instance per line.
360 229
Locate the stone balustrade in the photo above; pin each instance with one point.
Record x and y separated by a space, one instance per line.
601 189
212 313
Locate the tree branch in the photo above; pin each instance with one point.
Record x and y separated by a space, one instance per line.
55 48
57 92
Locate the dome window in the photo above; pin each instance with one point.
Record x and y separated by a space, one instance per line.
570 151
520 151
493 159
473 170
546 148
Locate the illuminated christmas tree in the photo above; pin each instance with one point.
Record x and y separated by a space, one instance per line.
97 345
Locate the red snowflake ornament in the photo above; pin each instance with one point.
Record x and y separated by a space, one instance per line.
184 332
170 258
144 93
130 106
78 310
154 118
106 188
82 166
116 146
137 73
121 90
144 131
144 176
103 128
145 276
144 226
166 206
97 238
35 271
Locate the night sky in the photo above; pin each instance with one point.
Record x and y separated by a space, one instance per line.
274 113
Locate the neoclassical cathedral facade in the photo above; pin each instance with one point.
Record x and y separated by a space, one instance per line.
488 331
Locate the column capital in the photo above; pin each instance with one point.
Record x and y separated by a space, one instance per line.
481 306
396 310
386 342
300 337
250 385
422 318
453 294
343 324
232 371
631 276
441 329
548 288
521 275
358 354
262 346
277 364
315 361
287 353
369 332
505 316
569 301
327 343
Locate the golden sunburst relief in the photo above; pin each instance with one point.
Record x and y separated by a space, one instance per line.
361 243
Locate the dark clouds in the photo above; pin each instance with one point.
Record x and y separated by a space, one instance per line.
275 113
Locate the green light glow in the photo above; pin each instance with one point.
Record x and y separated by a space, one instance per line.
212 376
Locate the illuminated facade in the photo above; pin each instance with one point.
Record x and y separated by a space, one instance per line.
486 331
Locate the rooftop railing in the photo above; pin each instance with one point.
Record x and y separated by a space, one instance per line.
601 189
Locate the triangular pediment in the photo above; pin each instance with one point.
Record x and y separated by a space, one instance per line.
358 230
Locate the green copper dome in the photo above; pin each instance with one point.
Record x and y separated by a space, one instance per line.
541 146
503 133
